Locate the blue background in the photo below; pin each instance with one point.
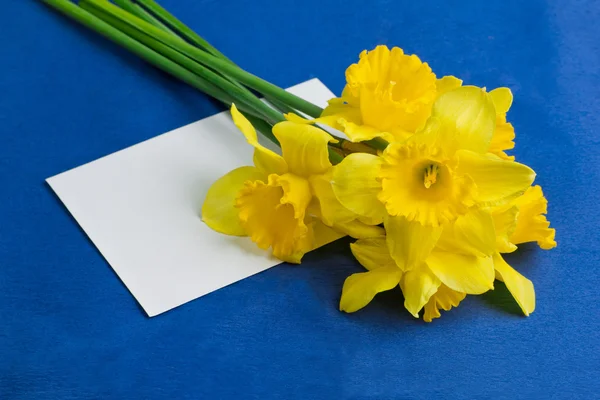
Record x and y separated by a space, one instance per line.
70 329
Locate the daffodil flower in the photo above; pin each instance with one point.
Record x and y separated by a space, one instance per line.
281 201
443 279
460 263
522 220
444 171
442 282
455 268
388 94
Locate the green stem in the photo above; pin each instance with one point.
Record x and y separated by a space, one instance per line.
96 24
216 63
141 12
284 108
180 27
200 70
76 13
182 30
177 57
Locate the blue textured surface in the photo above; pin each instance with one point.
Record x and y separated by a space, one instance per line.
70 329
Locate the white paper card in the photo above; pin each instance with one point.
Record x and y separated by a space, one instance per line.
141 208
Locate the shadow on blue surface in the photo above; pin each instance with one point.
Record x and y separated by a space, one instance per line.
501 299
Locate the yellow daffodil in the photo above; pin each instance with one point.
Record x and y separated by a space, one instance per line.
522 220
460 263
455 268
388 94
441 173
442 281
281 200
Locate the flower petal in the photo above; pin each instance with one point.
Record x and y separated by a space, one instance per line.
447 83
520 287
296 191
502 98
445 298
418 285
331 210
505 222
266 160
304 147
323 234
356 186
461 272
393 91
218 210
497 180
346 118
335 115
504 134
400 96
532 225
372 253
503 138
359 289
410 242
472 233
340 108
338 113
359 133
467 119
273 215
354 227
348 97
297 119
359 230
372 68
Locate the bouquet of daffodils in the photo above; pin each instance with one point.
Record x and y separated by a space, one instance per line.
422 182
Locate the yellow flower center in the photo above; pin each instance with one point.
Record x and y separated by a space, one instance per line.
421 185
430 175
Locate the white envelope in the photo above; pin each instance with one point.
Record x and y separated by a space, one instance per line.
141 208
